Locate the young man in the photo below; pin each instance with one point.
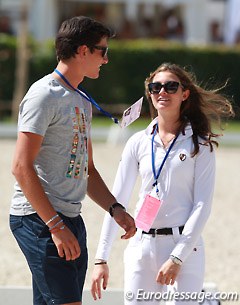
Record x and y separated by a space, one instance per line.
54 168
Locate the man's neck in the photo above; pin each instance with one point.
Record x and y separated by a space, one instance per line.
69 72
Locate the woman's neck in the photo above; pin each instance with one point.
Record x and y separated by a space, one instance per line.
169 125
168 129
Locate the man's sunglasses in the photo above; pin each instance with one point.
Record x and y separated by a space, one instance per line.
170 87
103 49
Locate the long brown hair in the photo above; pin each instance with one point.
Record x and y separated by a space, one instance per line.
201 108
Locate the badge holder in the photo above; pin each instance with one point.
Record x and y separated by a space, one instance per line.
131 114
148 212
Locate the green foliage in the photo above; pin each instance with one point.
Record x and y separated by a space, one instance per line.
121 81
130 62
7 66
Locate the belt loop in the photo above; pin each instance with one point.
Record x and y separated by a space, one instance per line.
176 234
138 235
181 229
154 232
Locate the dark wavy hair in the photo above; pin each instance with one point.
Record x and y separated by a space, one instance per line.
202 108
79 31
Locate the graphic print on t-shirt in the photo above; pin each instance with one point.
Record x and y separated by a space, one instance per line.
78 156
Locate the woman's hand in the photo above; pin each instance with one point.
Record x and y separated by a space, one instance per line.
168 272
99 278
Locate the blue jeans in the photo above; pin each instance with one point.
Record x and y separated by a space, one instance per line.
54 280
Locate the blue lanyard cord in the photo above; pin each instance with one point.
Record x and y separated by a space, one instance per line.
156 175
87 97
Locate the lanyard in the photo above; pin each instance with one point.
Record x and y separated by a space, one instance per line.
87 97
156 175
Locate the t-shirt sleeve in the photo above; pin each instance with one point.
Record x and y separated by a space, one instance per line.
36 112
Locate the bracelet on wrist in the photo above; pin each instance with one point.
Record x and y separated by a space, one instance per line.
176 260
51 219
57 229
100 263
56 224
115 205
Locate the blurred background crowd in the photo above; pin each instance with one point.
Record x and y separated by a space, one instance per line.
189 23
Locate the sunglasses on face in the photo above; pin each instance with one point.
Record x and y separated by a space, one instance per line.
103 49
170 87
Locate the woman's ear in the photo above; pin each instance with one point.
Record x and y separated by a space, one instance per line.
186 94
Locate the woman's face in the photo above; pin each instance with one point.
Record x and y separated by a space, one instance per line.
170 97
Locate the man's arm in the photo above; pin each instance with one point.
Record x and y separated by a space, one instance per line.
27 149
98 192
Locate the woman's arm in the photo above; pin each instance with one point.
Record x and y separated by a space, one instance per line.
123 185
202 202
98 191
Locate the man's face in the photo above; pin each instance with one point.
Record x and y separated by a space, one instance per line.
95 60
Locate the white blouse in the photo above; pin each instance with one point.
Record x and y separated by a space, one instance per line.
186 186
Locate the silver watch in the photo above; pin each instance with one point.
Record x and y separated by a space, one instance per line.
175 260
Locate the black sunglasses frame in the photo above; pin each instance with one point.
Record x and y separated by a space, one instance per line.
103 49
170 87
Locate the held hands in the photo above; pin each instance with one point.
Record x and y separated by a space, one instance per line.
125 221
99 280
168 272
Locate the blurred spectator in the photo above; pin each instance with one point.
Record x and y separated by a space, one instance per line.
215 32
171 26
127 31
237 37
146 28
5 25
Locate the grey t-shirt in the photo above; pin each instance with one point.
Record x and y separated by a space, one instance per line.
63 118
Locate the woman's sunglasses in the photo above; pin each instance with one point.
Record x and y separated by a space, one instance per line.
170 87
103 49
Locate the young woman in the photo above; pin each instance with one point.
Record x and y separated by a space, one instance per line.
176 161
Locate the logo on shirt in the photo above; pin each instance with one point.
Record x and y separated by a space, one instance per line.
78 155
182 157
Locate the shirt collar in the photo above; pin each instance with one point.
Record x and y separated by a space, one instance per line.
151 127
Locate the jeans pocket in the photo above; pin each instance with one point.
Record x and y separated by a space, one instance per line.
51 250
44 232
15 222
39 228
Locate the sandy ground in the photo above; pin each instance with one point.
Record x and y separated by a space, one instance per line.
221 234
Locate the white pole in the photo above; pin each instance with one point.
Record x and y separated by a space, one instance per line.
196 22
44 19
232 21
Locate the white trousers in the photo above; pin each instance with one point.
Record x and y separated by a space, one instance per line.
143 258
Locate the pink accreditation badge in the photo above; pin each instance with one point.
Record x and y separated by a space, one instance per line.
147 213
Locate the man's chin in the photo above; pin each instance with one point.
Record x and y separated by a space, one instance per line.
93 76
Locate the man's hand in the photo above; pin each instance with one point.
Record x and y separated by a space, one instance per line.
67 244
99 278
125 221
